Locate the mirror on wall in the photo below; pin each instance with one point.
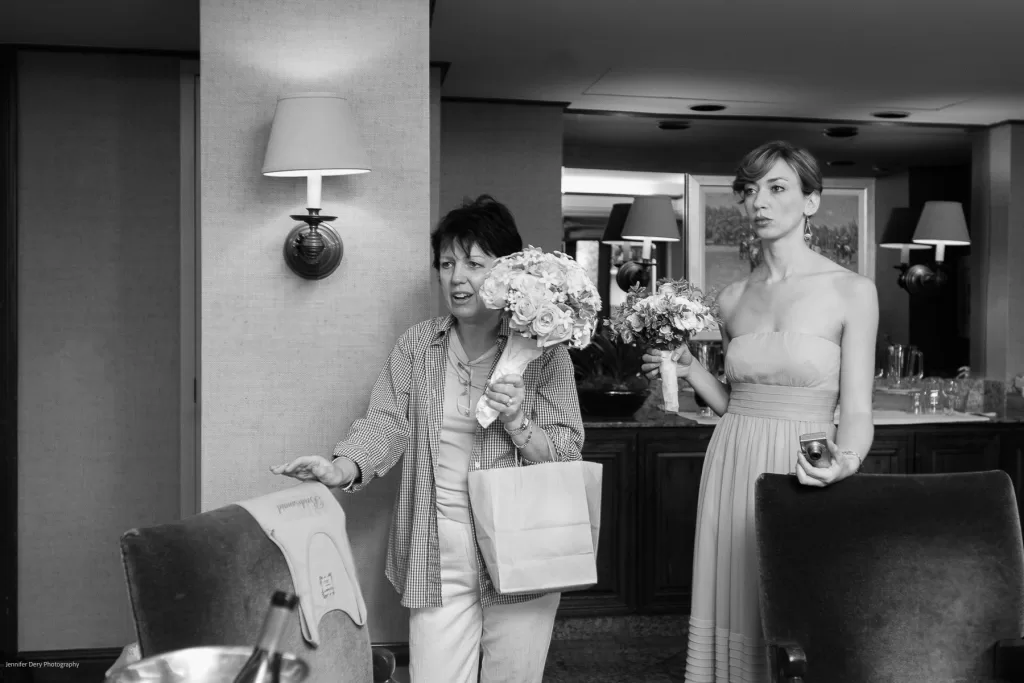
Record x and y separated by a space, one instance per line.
585 214
880 166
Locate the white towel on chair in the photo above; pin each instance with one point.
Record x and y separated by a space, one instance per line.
308 525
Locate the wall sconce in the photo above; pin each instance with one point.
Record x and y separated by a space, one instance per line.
313 135
899 234
628 273
650 219
941 224
616 221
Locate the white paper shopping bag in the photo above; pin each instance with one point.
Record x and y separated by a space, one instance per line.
537 526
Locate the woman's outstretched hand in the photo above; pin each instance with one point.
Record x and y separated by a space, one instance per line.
313 467
652 362
843 464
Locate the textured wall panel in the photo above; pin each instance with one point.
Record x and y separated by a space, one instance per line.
287 364
511 151
98 412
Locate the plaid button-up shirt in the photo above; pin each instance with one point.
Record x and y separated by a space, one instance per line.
404 419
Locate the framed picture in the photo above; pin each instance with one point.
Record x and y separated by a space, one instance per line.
720 248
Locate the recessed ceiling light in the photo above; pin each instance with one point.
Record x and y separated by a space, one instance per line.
890 114
673 125
841 132
842 162
707 107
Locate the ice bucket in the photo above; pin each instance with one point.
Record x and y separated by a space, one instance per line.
201 665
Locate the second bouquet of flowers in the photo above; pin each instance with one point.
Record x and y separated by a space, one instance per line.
664 321
550 299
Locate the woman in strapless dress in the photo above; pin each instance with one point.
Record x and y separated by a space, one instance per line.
799 338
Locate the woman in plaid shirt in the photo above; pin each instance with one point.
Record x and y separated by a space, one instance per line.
423 406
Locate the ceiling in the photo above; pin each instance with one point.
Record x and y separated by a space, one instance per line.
782 70
777 67
714 146
124 24
941 62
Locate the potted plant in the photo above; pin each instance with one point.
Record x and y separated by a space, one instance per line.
608 378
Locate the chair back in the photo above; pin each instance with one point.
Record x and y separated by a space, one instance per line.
891 577
207 580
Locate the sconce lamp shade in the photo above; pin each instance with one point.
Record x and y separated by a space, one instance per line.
942 223
651 218
616 222
314 133
899 231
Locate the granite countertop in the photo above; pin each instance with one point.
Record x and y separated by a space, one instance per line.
654 418
643 418
888 411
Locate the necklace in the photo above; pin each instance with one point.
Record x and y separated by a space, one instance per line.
465 370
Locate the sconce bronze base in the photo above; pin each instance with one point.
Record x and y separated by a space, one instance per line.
313 251
634 272
920 279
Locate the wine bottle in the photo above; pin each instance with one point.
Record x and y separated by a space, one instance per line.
264 664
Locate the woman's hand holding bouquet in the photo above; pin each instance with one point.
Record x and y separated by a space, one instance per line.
550 300
664 322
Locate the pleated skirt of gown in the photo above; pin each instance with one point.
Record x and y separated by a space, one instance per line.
760 433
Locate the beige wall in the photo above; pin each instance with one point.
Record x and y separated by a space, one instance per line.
437 306
98 335
513 152
287 363
997 250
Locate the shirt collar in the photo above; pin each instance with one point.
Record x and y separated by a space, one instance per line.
504 329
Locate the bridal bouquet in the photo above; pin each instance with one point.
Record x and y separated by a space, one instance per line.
665 321
550 299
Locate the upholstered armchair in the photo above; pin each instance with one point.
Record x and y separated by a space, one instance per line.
207 580
910 578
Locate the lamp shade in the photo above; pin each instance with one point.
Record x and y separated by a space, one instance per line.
616 221
314 133
651 218
942 223
899 231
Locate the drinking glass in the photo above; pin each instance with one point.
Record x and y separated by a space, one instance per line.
951 393
704 408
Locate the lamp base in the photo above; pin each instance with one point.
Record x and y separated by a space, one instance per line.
920 279
634 272
313 251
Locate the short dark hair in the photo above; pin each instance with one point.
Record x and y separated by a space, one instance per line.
758 162
484 222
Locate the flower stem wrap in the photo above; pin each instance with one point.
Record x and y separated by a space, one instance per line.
519 352
669 381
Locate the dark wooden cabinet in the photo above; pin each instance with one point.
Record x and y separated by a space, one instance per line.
945 449
651 488
615 592
1012 450
671 464
890 453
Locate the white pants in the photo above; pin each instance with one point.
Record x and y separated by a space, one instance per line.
445 643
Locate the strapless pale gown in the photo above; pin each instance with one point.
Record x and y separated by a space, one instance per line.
783 384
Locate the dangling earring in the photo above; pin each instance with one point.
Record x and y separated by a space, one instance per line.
807 230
